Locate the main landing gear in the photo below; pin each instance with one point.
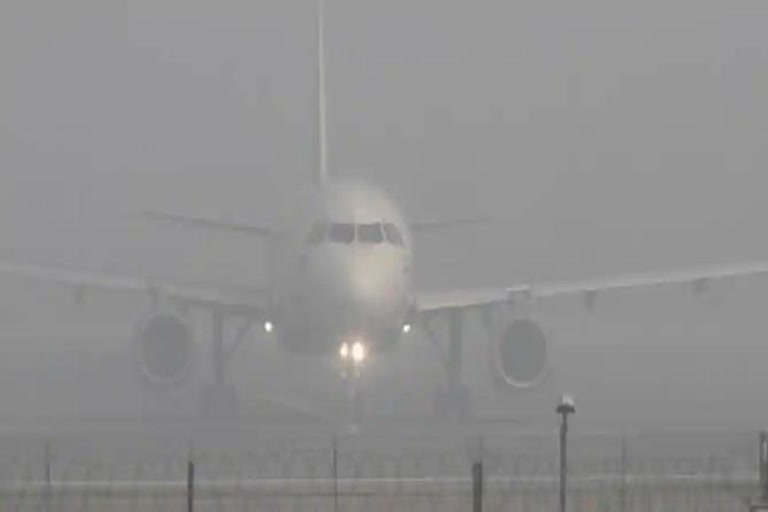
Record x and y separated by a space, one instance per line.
452 399
219 399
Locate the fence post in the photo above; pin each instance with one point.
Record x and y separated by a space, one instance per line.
764 466
624 462
48 493
190 482
477 486
335 474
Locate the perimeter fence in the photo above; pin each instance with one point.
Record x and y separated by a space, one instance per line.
660 472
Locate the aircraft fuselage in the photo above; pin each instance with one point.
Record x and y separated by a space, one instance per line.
342 272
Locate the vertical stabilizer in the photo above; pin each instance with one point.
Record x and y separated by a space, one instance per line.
321 175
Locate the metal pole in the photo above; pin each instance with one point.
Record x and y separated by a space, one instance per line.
477 486
764 466
624 462
563 460
335 474
48 478
190 484
566 407
48 464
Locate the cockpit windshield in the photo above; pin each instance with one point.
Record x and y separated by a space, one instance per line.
374 233
393 234
370 233
341 233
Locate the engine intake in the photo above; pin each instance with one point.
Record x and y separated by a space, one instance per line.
522 353
164 349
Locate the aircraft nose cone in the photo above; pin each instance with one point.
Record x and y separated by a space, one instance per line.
373 290
368 285
360 293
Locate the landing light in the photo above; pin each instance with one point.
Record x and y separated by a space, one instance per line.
358 352
354 352
406 328
269 327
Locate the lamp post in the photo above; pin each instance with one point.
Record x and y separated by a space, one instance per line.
566 407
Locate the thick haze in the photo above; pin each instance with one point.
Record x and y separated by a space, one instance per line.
607 136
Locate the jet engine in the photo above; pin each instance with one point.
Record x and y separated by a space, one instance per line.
520 358
165 349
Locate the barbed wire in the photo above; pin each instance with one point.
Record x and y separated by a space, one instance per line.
281 476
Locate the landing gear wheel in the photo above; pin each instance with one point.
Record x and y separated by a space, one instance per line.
453 402
219 402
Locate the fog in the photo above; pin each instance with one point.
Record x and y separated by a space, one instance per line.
599 137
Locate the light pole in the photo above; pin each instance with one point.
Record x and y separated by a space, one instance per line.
566 407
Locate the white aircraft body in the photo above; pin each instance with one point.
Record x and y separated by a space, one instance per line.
343 272
340 270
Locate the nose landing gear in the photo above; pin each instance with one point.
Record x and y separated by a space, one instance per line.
353 356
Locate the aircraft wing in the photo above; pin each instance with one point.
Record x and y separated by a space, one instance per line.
219 225
240 302
698 279
436 225
435 301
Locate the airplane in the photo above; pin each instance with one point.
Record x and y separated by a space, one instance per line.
341 284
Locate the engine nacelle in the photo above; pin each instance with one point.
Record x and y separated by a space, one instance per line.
165 349
521 354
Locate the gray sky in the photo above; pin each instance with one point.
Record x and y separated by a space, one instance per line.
608 136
